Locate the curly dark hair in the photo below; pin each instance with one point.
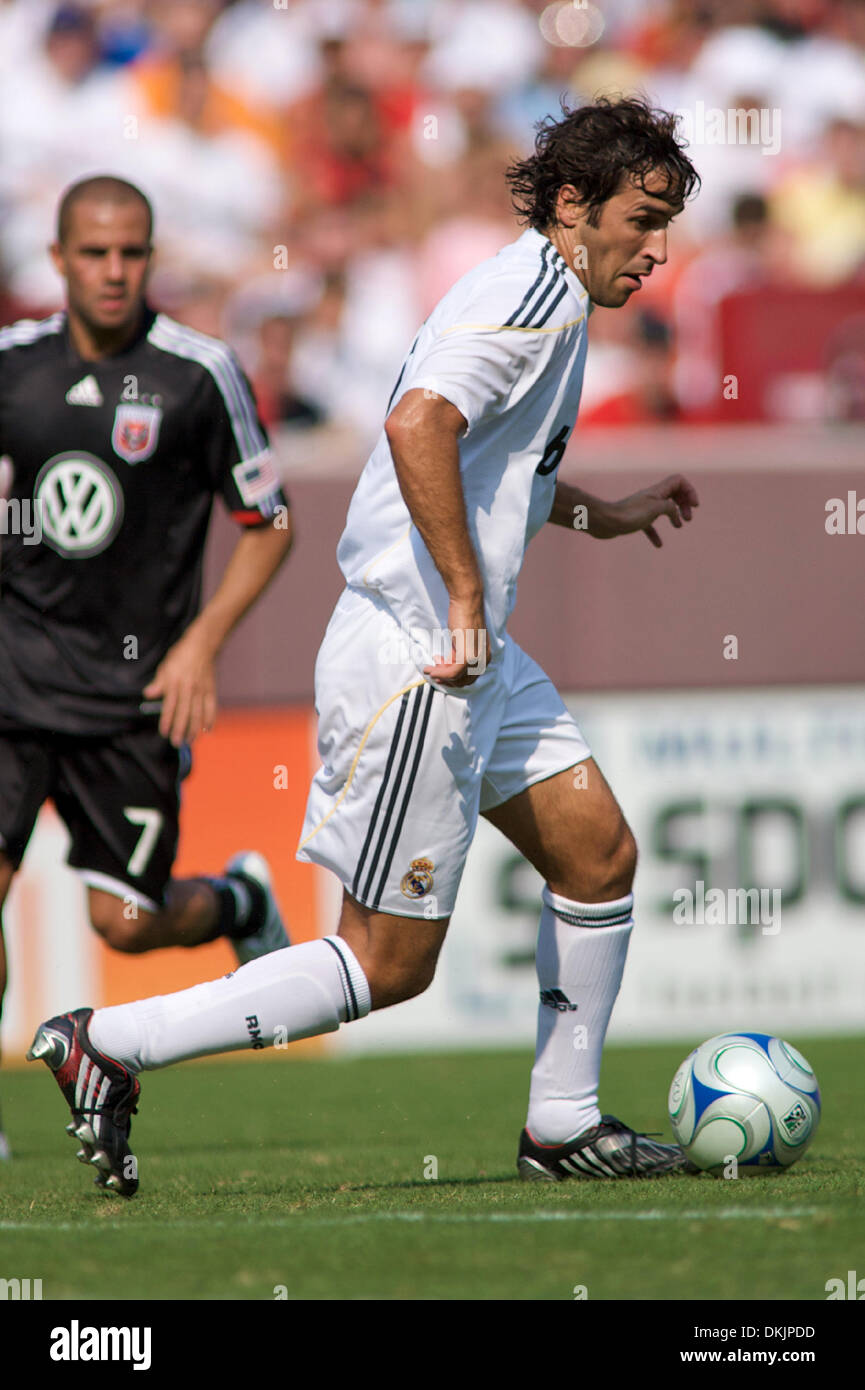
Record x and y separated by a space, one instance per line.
594 148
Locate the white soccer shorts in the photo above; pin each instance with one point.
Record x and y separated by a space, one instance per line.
407 765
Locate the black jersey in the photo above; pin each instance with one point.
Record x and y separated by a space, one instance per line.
115 465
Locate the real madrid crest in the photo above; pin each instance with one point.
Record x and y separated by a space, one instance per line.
419 879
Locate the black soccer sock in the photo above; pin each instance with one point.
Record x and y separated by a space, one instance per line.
242 905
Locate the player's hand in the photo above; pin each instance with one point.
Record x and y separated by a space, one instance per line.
185 680
470 645
674 497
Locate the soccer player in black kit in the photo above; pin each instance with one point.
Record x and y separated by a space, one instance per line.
121 426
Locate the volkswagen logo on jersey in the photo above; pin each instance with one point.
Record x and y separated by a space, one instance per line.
81 504
136 431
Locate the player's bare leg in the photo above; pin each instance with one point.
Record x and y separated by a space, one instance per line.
7 871
188 918
398 954
574 835
572 830
241 906
298 992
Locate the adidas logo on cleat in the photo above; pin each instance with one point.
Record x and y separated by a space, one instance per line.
609 1150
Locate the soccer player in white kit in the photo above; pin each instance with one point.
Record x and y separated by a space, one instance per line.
429 713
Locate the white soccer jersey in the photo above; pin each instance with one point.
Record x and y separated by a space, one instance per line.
507 346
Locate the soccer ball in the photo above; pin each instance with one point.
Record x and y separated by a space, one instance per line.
746 1096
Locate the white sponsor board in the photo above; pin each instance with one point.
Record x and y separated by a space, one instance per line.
734 790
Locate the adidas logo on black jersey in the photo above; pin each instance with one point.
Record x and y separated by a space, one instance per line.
555 999
84 392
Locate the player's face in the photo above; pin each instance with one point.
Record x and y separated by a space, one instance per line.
105 259
628 242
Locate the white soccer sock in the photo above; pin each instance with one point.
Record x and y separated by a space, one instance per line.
580 961
293 993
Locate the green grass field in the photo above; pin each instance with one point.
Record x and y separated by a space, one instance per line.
310 1175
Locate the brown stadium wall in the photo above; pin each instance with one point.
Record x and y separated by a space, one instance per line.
756 563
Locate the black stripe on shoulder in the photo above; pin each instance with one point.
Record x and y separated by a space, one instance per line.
551 306
531 290
530 317
553 283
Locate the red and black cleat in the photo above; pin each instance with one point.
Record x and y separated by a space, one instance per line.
101 1096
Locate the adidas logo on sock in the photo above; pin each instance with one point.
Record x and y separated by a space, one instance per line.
556 999
84 392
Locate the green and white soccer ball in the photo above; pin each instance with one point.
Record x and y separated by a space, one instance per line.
744 1096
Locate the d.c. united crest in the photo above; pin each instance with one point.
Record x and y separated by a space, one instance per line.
419 879
136 431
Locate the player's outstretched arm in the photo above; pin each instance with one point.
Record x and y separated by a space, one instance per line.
423 431
674 497
185 679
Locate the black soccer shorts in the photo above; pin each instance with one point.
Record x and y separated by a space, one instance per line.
118 794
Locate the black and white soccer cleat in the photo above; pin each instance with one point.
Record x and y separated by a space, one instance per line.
609 1150
100 1093
250 866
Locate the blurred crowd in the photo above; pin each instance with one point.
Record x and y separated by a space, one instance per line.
323 170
